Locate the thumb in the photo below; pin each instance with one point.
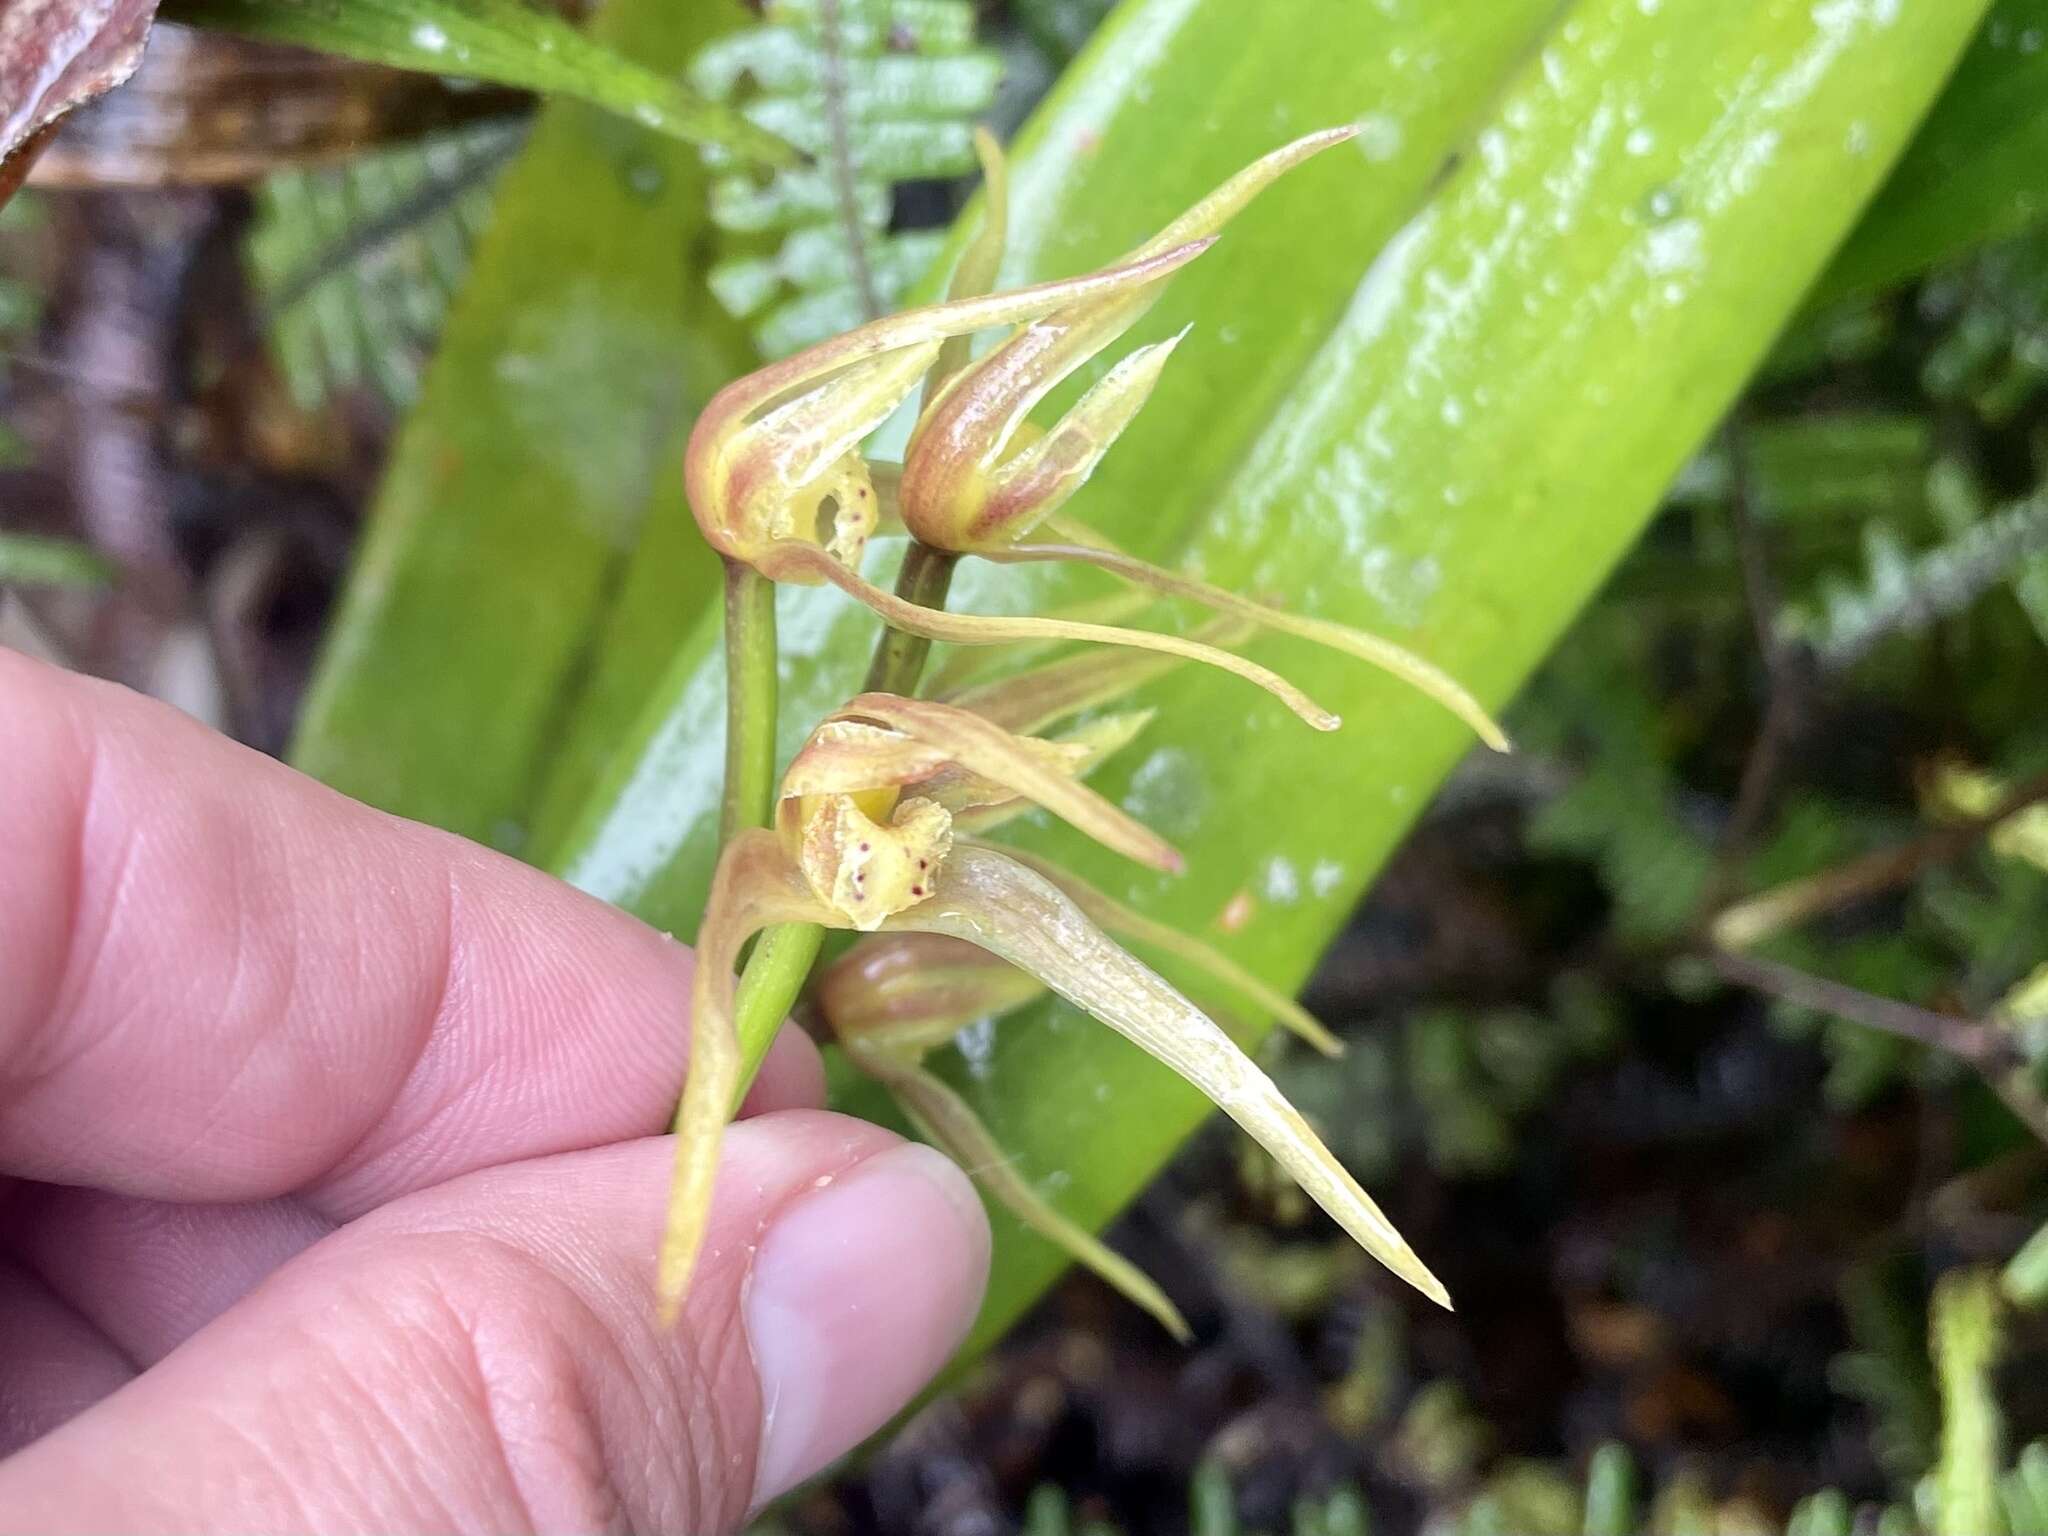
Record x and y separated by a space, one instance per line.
485 1355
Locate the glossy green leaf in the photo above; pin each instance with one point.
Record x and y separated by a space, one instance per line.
503 41
1443 415
1974 172
1441 405
529 548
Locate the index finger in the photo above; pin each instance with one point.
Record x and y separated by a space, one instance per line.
225 981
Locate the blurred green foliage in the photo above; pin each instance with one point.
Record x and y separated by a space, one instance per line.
355 265
878 93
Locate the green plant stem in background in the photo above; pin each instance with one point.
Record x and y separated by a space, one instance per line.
770 984
750 660
926 578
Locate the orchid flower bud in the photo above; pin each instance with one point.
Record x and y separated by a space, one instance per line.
914 991
976 476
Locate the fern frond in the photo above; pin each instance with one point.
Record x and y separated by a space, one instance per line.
1993 355
1902 591
355 266
878 93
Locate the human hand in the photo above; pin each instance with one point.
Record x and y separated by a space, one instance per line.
329 1188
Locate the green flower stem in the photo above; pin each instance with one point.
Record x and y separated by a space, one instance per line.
775 972
770 983
781 961
749 701
926 577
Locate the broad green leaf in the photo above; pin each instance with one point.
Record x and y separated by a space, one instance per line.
34 561
1440 414
1438 405
531 520
473 738
503 41
1973 174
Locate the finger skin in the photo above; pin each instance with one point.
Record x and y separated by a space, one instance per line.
148 1274
56 1364
226 982
485 1356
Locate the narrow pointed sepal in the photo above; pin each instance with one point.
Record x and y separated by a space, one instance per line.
978 629
982 261
950 1123
752 888
1121 922
973 475
991 900
1396 660
1040 477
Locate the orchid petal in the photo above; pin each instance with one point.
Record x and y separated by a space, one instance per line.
979 629
995 754
848 757
1382 653
991 900
1080 751
1040 477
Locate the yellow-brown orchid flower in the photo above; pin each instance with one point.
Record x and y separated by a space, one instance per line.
776 478
774 472
979 479
864 839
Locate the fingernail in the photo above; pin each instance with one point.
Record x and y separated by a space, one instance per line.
860 1291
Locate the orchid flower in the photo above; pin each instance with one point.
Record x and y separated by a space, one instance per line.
864 839
777 480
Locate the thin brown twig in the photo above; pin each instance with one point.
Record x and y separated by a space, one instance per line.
1754 918
1783 687
1981 1045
